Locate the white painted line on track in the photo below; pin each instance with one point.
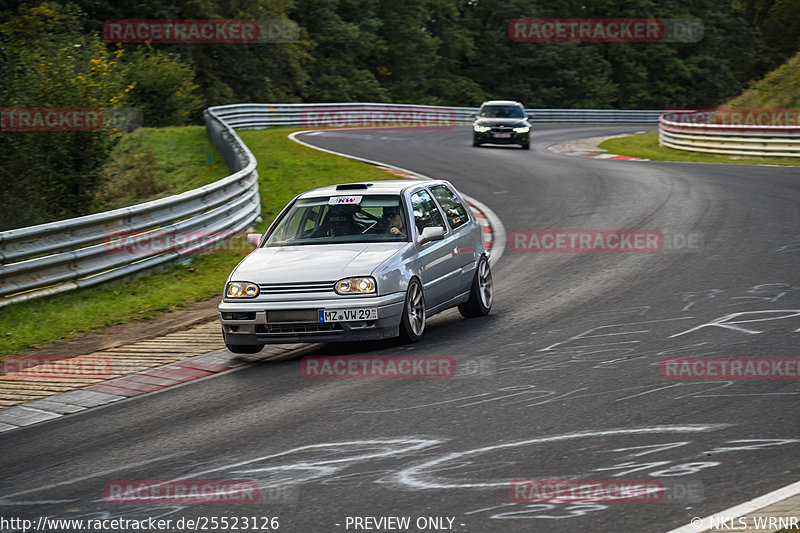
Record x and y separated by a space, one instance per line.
699 525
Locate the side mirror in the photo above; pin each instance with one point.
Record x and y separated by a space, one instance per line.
473 115
431 234
530 116
252 239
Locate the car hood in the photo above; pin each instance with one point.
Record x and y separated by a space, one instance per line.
501 122
320 262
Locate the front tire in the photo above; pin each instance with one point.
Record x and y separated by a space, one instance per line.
412 323
481 293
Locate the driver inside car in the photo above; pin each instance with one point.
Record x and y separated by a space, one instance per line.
393 220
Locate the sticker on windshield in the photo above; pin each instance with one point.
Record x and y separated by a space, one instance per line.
338 200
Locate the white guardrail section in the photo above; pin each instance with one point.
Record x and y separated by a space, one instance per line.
255 116
697 134
80 252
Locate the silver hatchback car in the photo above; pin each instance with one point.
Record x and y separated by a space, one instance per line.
358 261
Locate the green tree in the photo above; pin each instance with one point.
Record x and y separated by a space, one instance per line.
162 88
47 62
343 43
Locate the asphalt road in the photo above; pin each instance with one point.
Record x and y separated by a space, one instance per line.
560 381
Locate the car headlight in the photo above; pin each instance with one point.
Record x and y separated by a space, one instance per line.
523 129
355 286
481 129
241 289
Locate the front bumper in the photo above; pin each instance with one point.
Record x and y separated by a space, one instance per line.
250 325
489 137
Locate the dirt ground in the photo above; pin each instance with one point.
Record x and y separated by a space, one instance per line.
121 334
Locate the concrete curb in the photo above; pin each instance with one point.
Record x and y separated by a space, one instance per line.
589 148
154 379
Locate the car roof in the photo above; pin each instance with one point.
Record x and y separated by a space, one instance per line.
370 188
501 102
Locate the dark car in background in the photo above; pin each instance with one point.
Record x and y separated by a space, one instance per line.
501 122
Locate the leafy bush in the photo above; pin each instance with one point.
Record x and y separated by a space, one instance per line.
162 88
47 62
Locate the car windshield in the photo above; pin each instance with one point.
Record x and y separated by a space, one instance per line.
502 111
341 219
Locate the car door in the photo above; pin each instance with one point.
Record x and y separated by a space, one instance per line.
458 223
438 267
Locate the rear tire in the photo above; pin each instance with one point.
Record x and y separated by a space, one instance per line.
244 348
412 323
481 293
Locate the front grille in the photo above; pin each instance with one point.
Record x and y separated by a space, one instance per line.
300 315
296 288
502 129
287 329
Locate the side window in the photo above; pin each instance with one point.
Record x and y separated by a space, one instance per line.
453 209
426 214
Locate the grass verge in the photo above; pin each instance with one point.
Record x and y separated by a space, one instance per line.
645 145
285 169
153 163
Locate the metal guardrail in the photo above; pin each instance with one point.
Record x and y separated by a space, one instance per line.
256 116
69 254
726 139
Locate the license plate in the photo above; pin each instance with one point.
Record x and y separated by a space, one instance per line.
501 135
348 315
